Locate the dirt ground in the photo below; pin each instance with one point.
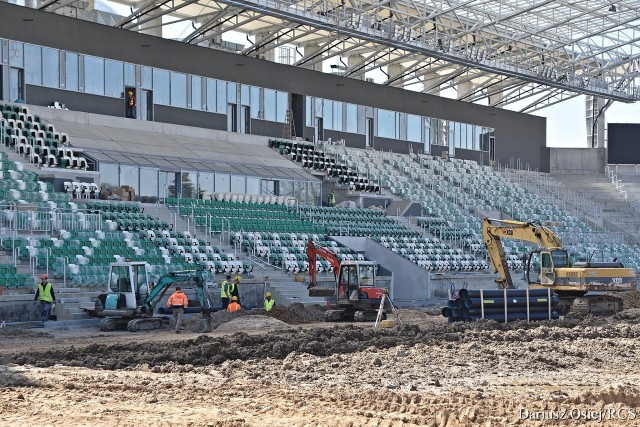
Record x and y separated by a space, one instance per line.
286 369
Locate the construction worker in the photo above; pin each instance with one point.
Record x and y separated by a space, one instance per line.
46 296
235 288
268 302
225 293
234 306
178 302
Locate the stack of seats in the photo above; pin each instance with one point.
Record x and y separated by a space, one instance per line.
30 137
310 158
245 198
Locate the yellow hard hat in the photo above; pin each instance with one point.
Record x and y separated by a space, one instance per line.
234 298
268 294
238 278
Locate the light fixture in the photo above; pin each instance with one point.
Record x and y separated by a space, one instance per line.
613 8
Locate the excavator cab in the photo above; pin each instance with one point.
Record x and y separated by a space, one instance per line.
356 281
547 260
128 285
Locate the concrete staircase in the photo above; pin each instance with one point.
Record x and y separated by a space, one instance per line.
599 189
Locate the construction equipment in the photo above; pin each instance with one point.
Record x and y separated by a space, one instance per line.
381 310
355 297
570 282
130 299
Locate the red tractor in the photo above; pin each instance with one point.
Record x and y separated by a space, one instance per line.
355 296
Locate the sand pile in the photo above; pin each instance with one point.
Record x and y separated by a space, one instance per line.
253 322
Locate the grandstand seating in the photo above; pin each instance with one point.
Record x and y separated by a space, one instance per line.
311 158
30 137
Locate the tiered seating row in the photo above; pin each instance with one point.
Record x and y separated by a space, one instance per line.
40 142
310 158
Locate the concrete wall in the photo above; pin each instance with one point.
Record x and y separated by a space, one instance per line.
577 160
517 135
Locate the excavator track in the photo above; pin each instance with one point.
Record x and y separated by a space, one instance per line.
145 324
597 305
109 324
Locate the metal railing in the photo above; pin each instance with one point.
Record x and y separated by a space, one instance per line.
612 177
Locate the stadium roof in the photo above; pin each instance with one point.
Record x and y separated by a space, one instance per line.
538 51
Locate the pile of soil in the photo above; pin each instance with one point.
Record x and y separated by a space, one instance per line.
294 314
196 322
631 299
248 323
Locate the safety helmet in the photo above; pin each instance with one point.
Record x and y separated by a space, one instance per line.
238 278
234 298
268 294
44 277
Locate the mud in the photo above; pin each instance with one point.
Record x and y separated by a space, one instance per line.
425 373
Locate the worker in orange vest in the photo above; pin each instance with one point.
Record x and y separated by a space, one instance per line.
178 302
234 306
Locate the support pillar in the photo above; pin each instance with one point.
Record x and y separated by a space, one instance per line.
429 81
496 95
396 70
157 23
464 89
353 61
595 135
266 51
310 51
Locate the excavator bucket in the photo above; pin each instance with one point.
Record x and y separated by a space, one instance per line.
322 292
204 323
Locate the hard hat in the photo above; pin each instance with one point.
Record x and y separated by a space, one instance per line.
44 277
268 294
238 278
234 298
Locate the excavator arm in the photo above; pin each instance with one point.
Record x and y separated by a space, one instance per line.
312 252
494 230
165 282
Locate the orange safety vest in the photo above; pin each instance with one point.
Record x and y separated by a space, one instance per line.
234 306
178 298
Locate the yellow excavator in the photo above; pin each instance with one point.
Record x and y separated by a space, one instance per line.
549 267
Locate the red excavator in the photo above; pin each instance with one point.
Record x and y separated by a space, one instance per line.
354 293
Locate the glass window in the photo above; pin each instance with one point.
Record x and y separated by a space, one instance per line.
109 175
196 92
221 97
94 75
178 90
16 57
328 114
386 123
308 104
129 74
255 103
232 95
72 72
414 124
223 182
319 107
147 78
167 184
189 185
352 118
244 94
161 87
113 78
205 182
253 185
238 184
270 105
282 105
33 64
337 116
129 175
148 185
211 95
50 67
